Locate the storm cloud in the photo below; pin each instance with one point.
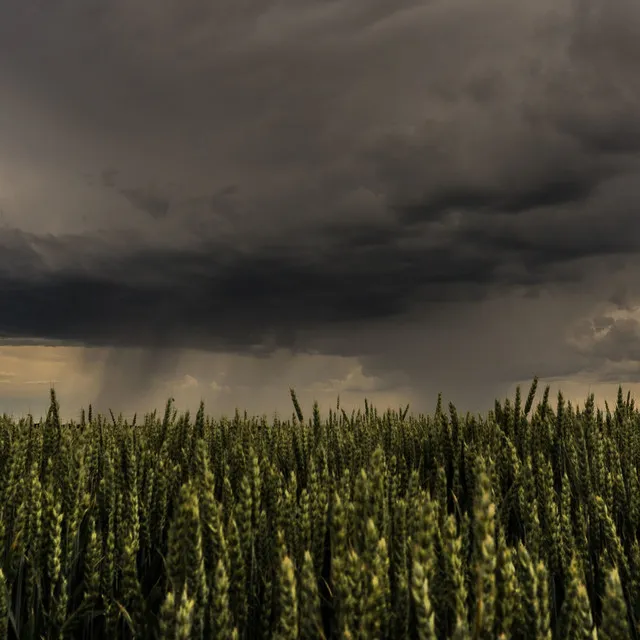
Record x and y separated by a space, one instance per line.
444 193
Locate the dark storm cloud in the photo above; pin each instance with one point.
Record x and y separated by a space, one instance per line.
428 173
319 168
216 296
102 291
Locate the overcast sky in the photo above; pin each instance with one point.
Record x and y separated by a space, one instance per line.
221 199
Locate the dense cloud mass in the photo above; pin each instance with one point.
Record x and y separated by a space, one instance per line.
442 194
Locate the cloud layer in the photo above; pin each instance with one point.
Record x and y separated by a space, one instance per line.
445 192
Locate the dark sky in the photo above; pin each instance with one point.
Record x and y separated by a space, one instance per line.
223 199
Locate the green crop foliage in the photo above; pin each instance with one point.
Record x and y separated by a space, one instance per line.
520 524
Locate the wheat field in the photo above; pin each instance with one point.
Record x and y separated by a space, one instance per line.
520 524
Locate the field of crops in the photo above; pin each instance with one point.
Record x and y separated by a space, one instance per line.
520 524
